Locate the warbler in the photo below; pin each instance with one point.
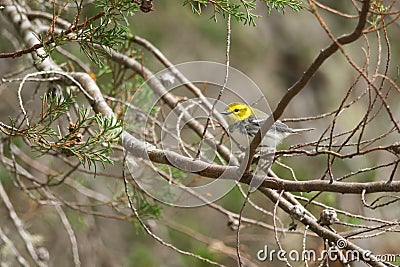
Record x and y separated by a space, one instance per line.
248 121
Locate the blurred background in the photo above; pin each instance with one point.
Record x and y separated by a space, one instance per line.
274 54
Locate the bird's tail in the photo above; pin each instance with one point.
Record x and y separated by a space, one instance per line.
301 130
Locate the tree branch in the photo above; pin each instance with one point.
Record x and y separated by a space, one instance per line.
305 78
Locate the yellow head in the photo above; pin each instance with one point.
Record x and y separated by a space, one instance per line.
238 111
241 111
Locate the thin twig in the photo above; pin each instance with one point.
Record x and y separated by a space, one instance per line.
13 249
227 62
150 233
304 79
239 258
20 227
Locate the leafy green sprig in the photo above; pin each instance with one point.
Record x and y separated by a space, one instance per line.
241 10
88 147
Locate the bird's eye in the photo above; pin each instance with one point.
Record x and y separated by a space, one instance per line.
236 110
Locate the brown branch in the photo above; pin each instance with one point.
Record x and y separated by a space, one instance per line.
305 78
37 46
170 99
140 149
153 235
175 71
324 233
39 14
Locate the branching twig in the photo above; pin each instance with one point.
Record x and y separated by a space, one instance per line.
306 76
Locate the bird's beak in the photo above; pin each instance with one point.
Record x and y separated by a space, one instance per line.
226 112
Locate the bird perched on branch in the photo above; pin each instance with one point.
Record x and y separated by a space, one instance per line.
248 121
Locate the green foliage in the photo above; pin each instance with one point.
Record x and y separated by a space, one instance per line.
280 5
146 208
104 35
110 30
107 28
53 107
44 138
119 7
378 9
97 147
116 80
41 132
243 10
149 210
